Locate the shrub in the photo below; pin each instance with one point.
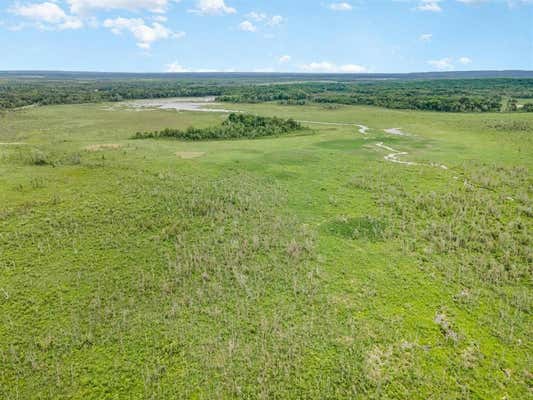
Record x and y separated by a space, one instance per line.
38 157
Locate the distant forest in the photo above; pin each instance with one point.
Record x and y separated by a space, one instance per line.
446 95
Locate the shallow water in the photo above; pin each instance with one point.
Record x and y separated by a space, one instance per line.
178 104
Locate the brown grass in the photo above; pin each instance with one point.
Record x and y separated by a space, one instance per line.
101 147
188 155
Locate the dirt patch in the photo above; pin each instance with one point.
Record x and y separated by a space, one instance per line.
102 147
189 155
13 144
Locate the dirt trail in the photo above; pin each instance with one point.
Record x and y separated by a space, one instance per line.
362 128
393 157
395 154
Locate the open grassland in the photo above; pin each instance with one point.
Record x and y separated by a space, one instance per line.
304 266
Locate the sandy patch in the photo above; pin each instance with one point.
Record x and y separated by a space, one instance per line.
102 147
363 130
395 131
13 144
189 155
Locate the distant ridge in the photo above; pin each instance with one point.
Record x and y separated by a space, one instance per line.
282 76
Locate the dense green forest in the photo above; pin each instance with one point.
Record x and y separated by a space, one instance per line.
236 126
447 95
23 93
467 95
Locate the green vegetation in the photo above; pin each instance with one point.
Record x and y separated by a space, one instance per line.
467 95
298 266
237 126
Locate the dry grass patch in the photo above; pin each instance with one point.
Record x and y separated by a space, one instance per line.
188 155
101 147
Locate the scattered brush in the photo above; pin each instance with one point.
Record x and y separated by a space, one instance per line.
509 125
477 230
38 157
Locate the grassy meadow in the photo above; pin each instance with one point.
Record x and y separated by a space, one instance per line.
298 267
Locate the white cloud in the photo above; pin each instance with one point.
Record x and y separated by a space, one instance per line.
284 59
429 5
45 12
47 15
214 70
257 16
144 34
448 63
426 37
247 26
275 20
175 67
213 7
326 66
342 6
86 6
444 64
352 69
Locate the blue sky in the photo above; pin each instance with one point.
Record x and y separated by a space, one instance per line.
274 35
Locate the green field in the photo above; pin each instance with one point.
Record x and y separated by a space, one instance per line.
299 267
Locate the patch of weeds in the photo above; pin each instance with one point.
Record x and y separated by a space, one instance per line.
39 157
507 126
365 227
74 159
469 231
446 326
471 356
38 183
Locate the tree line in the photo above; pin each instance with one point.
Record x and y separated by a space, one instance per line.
447 95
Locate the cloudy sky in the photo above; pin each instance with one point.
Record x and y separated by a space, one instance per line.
268 35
